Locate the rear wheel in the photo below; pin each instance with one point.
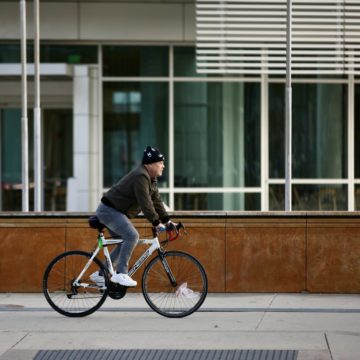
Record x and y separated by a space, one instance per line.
64 295
181 297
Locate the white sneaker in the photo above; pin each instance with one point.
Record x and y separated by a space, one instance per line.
98 279
123 279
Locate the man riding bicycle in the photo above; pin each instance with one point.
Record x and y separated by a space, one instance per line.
137 191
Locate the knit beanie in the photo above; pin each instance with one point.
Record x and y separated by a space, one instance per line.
152 155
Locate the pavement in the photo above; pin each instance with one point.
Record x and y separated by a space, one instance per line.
317 326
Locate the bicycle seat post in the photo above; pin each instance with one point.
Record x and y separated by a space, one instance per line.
100 239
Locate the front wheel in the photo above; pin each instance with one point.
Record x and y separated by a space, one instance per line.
174 284
72 298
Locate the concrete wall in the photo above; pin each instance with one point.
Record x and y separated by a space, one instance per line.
103 21
241 252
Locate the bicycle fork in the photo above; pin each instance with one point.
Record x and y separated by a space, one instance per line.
167 269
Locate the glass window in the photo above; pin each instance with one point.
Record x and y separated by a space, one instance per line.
276 131
357 131
165 199
185 61
135 115
276 197
319 131
71 54
217 134
319 140
217 201
10 53
10 159
135 61
357 197
309 197
319 197
57 158
185 64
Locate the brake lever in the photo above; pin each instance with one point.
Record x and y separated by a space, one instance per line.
176 229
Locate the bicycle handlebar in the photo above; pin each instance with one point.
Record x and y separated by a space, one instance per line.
173 232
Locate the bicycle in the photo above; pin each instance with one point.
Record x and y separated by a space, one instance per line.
174 283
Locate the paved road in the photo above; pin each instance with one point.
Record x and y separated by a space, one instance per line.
322 327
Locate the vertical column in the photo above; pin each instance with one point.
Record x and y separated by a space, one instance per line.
264 135
171 172
24 117
288 110
1 168
94 151
351 143
38 189
83 187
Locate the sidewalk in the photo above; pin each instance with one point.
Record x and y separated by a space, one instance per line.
322 327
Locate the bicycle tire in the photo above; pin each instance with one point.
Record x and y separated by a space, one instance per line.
58 287
184 297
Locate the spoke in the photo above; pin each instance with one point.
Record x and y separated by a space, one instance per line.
63 295
169 300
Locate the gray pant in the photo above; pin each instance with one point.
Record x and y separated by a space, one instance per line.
119 226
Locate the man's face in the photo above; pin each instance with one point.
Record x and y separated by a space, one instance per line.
156 169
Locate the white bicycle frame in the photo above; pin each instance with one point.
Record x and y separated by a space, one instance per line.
104 243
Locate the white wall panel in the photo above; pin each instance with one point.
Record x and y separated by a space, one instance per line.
103 21
131 22
9 20
190 23
54 94
57 20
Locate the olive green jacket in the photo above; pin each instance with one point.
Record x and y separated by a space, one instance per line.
137 192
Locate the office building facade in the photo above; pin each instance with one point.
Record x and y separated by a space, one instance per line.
117 76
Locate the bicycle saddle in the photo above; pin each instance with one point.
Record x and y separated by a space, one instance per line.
95 223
